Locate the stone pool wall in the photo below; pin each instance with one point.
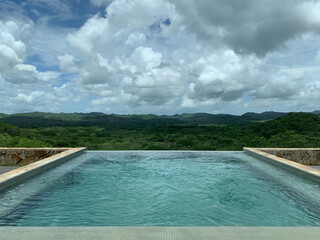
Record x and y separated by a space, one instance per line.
305 156
24 156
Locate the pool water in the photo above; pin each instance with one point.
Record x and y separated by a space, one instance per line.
131 188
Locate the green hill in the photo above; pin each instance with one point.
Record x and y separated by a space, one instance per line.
302 123
11 136
200 131
39 119
250 116
2 115
291 130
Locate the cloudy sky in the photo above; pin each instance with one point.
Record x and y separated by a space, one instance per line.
159 56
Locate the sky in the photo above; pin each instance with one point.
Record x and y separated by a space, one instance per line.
159 56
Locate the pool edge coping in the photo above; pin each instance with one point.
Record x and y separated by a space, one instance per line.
306 171
19 174
161 233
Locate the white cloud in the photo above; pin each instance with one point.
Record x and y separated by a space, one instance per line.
188 103
248 27
145 59
92 35
40 100
138 55
67 63
117 54
13 54
318 56
23 86
12 50
163 77
48 42
136 39
167 55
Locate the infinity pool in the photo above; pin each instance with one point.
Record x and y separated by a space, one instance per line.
163 189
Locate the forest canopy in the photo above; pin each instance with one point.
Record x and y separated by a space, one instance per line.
201 131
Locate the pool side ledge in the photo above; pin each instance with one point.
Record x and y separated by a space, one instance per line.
303 170
160 233
17 175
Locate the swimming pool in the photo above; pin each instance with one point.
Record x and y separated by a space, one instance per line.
131 188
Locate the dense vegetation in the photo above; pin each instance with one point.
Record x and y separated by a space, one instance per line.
150 132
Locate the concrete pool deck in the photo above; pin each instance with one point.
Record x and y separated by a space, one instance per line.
316 167
160 233
4 169
12 177
309 172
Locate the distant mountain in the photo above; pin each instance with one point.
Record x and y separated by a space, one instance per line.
305 123
42 119
206 118
8 129
317 112
3 115
262 116
48 115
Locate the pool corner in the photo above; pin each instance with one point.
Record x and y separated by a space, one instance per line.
17 175
262 153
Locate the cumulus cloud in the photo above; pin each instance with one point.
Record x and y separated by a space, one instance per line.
23 86
145 59
67 63
189 54
13 54
12 50
225 75
166 56
249 26
40 100
117 53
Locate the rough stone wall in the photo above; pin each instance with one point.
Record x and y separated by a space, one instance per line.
26 156
304 156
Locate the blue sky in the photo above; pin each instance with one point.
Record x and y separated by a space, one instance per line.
159 56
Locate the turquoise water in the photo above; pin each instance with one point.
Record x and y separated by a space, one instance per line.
163 189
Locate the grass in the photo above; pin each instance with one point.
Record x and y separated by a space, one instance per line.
10 165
